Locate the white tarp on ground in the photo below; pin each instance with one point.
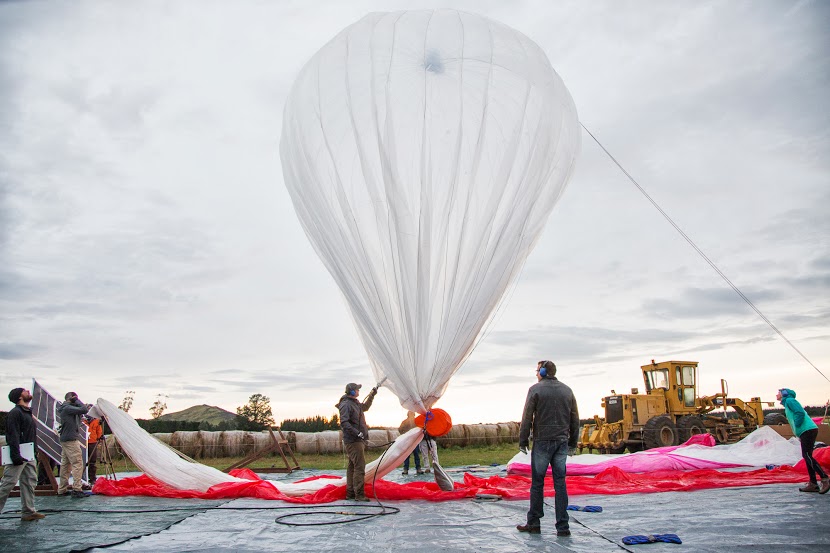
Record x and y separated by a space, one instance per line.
164 465
762 447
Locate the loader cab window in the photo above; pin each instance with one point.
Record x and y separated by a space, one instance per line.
686 377
657 379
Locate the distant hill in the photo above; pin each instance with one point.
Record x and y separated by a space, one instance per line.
200 413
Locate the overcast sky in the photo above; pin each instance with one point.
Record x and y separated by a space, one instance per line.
148 243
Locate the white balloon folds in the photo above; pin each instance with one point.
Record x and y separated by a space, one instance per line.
424 152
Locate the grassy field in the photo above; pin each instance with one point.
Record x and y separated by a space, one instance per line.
450 457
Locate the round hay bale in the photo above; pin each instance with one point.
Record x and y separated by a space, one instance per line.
306 442
163 437
457 436
393 434
211 444
491 434
506 433
378 437
291 436
236 443
260 441
475 434
329 441
188 442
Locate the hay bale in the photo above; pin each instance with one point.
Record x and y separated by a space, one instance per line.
236 443
291 436
475 434
457 437
378 437
306 442
491 433
508 432
163 437
330 441
188 442
211 444
260 440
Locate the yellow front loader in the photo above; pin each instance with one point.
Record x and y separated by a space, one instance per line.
670 412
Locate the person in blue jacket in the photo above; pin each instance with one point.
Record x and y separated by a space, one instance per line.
806 430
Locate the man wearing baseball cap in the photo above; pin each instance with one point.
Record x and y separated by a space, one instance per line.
355 435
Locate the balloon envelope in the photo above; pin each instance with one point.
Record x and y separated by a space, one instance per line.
424 152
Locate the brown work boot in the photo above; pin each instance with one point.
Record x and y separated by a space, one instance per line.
825 485
529 529
362 498
32 516
811 487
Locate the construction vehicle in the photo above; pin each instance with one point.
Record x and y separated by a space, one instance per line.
670 412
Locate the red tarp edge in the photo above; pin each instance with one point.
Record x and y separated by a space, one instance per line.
612 481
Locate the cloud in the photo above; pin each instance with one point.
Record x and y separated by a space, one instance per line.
12 351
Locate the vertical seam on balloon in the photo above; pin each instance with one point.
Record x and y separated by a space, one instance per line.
453 189
388 171
459 359
510 287
370 184
421 211
348 217
473 165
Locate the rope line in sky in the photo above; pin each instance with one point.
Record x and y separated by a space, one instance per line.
700 252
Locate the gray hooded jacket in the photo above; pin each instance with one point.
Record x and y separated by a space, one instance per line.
70 420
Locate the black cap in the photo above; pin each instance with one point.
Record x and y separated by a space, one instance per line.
14 395
353 387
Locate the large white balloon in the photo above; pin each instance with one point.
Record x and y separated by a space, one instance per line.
424 152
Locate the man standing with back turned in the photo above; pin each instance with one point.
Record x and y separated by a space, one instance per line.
355 435
550 410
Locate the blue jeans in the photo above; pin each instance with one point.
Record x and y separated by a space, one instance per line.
553 453
416 453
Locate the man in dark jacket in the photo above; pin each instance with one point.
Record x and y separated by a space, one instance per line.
72 436
550 410
20 429
355 435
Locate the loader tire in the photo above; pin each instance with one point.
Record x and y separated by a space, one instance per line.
689 426
774 419
659 431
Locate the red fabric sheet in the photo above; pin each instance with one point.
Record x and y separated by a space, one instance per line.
612 481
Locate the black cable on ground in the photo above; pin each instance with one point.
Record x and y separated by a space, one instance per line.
576 520
354 515
129 538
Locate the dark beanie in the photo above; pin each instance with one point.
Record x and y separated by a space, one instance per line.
14 395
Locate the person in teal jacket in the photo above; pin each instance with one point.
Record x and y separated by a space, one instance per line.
806 430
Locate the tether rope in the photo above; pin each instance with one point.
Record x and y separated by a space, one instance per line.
700 252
